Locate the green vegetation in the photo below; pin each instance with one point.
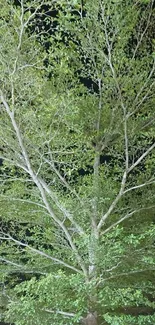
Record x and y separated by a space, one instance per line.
77 157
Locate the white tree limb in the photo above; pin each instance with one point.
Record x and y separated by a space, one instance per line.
128 215
125 274
37 251
139 186
41 185
114 203
137 162
63 313
142 34
24 201
10 262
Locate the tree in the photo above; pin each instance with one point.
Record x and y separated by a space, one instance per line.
77 161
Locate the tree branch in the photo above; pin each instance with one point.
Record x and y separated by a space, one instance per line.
56 260
10 262
139 186
143 33
63 180
125 274
41 185
137 162
61 208
24 201
114 203
141 90
64 313
128 215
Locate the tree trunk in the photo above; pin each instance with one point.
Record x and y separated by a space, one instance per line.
90 319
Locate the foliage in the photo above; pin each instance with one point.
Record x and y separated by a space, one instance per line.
77 159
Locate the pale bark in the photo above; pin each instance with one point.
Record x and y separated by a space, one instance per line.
90 319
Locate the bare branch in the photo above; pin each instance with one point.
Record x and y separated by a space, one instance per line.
137 162
128 215
114 203
113 267
139 186
41 185
63 180
56 260
138 105
121 192
125 274
135 103
33 13
60 206
145 30
32 65
24 201
63 313
10 262
128 169
19 45
12 162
